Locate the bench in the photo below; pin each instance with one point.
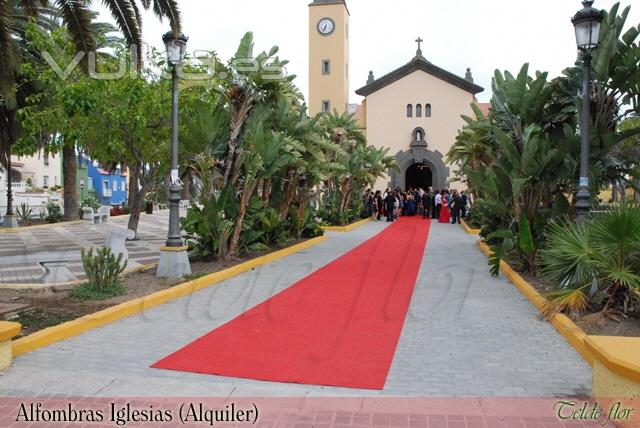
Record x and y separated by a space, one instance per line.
89 215
105 213
102 216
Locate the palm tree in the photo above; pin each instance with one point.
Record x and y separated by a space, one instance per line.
77 17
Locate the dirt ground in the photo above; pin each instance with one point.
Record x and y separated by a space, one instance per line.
592 322
48 308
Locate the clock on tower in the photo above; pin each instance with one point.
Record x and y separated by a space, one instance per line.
328 56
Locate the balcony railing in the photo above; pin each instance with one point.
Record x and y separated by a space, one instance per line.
107 193
19 186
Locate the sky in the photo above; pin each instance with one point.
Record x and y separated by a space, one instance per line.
483 35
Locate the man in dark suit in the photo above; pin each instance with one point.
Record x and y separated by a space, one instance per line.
389 204
456 207
427 203
434 206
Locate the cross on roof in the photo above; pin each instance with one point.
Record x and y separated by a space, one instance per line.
419 42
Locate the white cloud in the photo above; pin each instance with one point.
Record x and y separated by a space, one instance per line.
483 35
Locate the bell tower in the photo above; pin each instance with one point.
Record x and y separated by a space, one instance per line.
328 56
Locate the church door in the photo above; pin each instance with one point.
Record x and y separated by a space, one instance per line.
418 176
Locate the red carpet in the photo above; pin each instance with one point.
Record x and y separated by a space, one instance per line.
338 326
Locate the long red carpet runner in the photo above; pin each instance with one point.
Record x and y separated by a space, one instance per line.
339 326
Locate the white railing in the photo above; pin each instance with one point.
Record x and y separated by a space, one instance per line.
107 193
19 186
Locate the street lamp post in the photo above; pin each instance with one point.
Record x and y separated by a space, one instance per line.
587 26
174 260
9 220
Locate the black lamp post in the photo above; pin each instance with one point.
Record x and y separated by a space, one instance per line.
174 262
9 220
587 25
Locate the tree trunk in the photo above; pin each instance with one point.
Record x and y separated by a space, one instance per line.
133 186
266 192
167 184
290 196
346 195
231 158
302 207
185 193
69 171
136 207
137 199
242 211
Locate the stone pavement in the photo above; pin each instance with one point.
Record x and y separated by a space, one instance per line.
466 334
21 251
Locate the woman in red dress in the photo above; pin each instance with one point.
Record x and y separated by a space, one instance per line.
445 213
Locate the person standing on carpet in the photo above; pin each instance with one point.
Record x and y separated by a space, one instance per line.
445 214
389 206
438 201
434 208
427 202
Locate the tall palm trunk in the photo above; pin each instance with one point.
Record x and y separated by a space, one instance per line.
266 191
290 192
241 109
249 188
69 172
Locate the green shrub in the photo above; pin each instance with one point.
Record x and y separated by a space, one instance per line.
307 225
103 274
330 209
595 262
90 201
54 213
88 291
208 229
24 213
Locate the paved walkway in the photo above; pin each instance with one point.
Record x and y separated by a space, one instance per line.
21 251
467 334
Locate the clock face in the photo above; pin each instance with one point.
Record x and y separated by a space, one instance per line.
326 26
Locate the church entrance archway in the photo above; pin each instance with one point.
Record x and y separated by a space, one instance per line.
418 176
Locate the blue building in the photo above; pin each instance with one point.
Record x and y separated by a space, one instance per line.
110 187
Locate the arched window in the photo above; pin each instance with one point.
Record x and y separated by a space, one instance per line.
418 110
427 110
409 110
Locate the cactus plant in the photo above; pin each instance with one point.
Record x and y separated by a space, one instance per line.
103 269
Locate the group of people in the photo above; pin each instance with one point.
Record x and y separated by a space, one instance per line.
446 206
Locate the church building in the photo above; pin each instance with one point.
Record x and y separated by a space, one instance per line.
415 110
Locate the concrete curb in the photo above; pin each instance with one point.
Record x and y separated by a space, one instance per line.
38 226
469 229
347 228
617 354
73 328
26 286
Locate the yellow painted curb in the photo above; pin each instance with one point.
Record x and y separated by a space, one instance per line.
347 228
469 230
563 324
618 354
38 226
174 249
9 330
73 328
